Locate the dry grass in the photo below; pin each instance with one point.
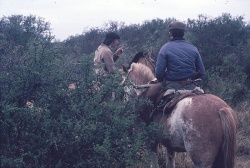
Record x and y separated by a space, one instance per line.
243 135
183 161
243 162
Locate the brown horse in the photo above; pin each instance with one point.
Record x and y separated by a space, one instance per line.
203 125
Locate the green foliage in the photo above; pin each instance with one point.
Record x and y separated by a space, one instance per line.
63 127
223 43
227 80
73 128
84 127
216 38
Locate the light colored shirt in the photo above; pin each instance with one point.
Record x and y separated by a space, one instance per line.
104 58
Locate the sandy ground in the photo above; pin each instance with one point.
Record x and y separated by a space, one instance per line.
243 162
183 161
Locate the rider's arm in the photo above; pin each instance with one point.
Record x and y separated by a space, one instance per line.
161 65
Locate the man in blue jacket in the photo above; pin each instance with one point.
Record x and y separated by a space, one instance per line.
178 61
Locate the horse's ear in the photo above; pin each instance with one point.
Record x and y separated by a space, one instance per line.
148 54
125 69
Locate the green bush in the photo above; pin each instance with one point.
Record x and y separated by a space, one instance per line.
84 127
79 127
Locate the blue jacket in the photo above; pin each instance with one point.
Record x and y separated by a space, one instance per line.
178 60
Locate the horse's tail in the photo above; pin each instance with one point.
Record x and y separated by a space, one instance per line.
229 125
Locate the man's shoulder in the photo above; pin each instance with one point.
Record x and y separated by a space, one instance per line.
188 43
185 43
103 48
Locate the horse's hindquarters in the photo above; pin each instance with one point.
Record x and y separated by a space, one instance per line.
195 126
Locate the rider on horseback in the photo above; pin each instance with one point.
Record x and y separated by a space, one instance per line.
178 61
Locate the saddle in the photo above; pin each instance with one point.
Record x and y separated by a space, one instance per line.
168 99
167 104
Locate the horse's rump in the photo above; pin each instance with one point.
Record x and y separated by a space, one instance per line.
205 127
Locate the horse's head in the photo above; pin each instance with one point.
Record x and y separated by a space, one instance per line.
144 58
139 74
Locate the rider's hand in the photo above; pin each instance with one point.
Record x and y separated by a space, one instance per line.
119 51
153 81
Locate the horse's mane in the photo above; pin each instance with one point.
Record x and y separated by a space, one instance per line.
142 70
136 58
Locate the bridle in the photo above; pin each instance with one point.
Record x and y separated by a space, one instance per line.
126 79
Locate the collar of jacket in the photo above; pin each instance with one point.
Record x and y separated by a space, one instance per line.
102 44
177 38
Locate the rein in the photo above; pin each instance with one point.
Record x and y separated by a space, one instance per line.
142 86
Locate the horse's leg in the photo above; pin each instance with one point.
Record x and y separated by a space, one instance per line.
203 148
154 161
154 156
162 156
170 158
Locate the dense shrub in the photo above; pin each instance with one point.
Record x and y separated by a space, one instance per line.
81 127
44 123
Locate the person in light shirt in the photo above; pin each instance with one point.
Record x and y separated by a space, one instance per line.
104 59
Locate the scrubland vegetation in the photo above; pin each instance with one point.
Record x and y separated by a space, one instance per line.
46 124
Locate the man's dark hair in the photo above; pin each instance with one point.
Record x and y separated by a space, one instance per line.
177 33
110 37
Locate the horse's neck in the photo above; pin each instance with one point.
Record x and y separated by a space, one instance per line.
154 93
146 62
140 80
